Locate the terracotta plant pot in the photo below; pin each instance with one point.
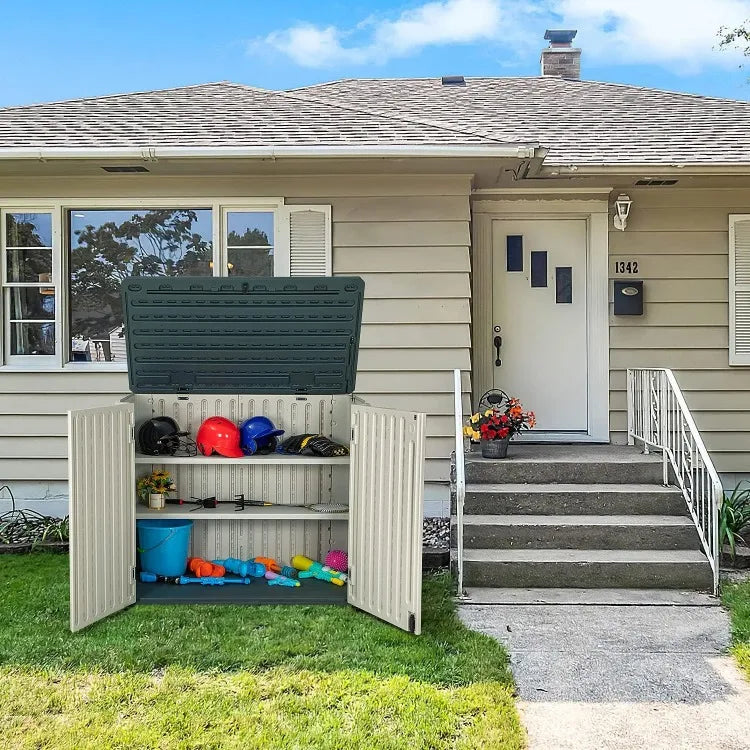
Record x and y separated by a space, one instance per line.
495 448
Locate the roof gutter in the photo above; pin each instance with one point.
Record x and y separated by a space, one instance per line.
501 150
553 170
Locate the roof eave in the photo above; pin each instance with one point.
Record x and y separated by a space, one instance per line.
151 153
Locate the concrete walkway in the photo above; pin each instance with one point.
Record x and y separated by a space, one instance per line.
624 677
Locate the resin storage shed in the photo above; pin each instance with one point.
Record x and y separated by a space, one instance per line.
285 348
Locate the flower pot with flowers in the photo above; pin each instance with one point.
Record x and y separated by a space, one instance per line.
153 488
494 427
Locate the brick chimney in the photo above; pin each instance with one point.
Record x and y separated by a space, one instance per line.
561 59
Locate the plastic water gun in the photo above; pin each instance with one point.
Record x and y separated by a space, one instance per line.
311 569
242 568
276 579
183 580
270 564
204 569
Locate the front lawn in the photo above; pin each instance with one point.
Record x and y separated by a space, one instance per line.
242 677
736 597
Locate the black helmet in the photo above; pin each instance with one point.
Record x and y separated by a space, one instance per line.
160 436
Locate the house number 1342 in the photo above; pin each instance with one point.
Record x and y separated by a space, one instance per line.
623 266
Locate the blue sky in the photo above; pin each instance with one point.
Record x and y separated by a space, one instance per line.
54 50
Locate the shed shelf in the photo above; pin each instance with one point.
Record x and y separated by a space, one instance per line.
273 458
227 513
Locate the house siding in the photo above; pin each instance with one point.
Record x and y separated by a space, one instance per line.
680 239
407 236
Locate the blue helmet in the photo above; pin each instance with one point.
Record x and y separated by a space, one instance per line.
258 435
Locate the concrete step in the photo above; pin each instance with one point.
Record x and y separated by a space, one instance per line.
579 532
572 499
565 568
570 464
591 597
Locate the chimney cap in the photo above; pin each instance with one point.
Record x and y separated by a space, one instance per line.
562 37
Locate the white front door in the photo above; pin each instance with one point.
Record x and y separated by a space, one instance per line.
539 315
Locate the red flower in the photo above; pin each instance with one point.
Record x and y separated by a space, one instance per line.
491 434
504 419
503 433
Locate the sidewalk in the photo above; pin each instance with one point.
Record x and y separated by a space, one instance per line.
622 677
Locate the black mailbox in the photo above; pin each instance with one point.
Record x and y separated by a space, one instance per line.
628 298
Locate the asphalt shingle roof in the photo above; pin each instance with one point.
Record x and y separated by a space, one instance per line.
213 114
581 122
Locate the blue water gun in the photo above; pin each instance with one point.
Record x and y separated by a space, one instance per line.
277 579
147 577
242 568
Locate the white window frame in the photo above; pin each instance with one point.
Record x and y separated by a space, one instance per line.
59 208
29 361
226 209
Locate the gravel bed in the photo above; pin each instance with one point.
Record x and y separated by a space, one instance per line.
436 532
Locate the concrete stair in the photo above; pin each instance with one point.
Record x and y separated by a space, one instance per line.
577 518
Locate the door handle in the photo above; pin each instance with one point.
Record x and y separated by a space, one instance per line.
498 341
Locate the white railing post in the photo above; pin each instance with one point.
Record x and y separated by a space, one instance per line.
460 479
659 417
630 394
663 437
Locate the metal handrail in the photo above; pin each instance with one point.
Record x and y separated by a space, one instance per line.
659 417
460 479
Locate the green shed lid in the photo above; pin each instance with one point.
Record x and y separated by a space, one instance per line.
242 334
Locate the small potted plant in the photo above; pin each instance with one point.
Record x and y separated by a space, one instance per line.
494 427
153 487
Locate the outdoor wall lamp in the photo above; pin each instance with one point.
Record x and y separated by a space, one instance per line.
622 207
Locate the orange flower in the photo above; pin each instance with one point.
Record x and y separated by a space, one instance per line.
515 411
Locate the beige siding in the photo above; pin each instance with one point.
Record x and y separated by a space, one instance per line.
680 239
407 236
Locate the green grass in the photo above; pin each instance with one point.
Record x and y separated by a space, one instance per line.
246 677
736 598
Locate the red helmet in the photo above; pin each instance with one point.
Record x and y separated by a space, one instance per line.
219 435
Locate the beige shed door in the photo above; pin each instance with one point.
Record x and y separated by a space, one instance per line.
539 311
386 510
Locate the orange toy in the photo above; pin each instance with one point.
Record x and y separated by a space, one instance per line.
203 569
270 564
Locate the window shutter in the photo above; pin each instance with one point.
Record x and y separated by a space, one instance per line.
310 241
739 289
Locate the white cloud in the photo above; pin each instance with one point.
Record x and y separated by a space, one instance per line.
447 22
679 34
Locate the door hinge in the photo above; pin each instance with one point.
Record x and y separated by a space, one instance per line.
412 622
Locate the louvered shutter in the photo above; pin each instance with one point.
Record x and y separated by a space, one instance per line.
739 289
308 230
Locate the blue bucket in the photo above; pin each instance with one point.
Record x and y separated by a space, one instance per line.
163 544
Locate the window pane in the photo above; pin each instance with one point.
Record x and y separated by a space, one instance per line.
256 261
29 265
106 246
28 230
32 303
32 338
253 228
